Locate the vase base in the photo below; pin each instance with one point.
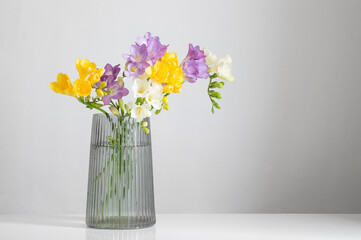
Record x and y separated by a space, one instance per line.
121 223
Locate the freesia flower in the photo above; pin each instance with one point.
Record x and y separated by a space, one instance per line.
82 87
194 65
194 53
96 76
62 85
144 40
210 57
114 92
155 49
141 88
168 72
138 53
139 112
155 96
136 60
134 69
85 68
223 68
110 74
194 69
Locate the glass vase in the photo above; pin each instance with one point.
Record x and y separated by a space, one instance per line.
120 185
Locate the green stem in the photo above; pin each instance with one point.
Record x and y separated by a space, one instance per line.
93 106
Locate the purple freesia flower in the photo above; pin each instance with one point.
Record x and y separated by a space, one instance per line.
147 48
110 74
194 65
155 49
138 53
194 53
193 69
134 69
113 90
116 92
136 60
144 40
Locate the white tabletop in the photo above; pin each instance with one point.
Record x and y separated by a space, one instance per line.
189 226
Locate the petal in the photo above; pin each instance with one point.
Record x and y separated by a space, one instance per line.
149 71
55 87
82 87
106 99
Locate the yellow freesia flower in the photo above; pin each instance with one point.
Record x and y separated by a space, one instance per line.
167 71
85 68
62 85
82 87
95 76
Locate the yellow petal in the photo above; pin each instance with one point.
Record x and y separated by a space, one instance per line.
149 71
168 88
82 87
63 80
85 68
55 87
95 77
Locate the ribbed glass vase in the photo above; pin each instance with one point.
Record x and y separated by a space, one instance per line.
120 185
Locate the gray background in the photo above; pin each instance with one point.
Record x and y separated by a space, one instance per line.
286 140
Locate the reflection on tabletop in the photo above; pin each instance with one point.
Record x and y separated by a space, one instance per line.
105 234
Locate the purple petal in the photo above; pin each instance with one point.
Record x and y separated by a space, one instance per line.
106 99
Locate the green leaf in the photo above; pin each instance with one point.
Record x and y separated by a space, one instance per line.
158 111
212 109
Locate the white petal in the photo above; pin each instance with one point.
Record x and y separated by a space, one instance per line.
210 57
140 88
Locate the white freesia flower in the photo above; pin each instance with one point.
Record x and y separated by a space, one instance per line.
155 95
223 68
139 112
140 88
210 57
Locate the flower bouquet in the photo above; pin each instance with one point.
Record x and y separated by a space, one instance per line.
120 185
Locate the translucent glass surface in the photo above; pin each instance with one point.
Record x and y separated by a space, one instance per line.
120 186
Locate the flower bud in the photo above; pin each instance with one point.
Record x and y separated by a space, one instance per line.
166 106
102 85
114 111
144 124
100 93
121 103
146 130
165 99
120 81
